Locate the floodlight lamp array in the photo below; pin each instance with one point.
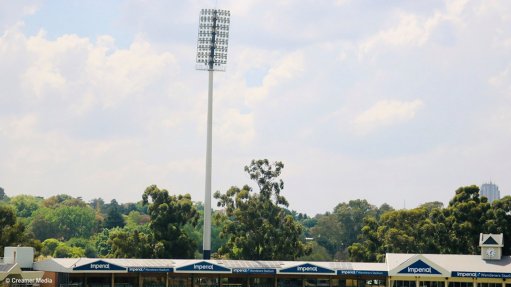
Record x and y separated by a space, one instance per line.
213 39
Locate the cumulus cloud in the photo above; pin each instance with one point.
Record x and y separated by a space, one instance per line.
413 30
234 127
502 80
385 113
409 31
285 69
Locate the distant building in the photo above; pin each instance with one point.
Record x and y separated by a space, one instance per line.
490 191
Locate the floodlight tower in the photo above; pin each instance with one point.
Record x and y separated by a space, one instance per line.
211 56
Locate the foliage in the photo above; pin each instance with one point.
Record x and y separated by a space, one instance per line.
114 216
134 243
98 204
3 196
430 228
65 251
63 200
25 205
101 245
49 246
63 222
12 231
338 230
135 218
258 227
318 253
86 245
168 215
251 225
217 226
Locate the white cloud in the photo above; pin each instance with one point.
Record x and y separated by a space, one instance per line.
72 67
234 127
410 31
18 127
413 30
502 81
341 2
285 69
385 113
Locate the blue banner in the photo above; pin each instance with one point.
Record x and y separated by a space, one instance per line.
472 274
419 267
307 269
362 272
100 265
203 266
254 271
150 269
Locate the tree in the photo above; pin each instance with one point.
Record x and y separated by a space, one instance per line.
114 216
63 200
338 230
134 243
135 218
168 216
318 253
101 244
258 227
3 196
430 228
65 251
499 221
85 244
25 204
465 217
12 232
326 233
98 204
367 247
63 222
49 246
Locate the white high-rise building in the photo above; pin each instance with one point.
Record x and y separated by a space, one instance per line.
490 191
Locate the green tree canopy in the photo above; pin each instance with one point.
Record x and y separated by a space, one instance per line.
114 216
168 216
338 230
430 228
63 199
258 227
63 222
12 232
49 246
134 243
3 196
25 205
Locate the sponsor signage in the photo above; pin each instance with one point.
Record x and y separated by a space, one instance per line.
307 269
203 267
362 272
254 271
150 269
472 274
99 265
420 267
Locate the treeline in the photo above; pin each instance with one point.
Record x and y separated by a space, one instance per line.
249 223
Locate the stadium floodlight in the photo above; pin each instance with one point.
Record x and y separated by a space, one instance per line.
213 39
211 56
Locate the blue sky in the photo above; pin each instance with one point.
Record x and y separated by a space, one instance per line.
395 101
